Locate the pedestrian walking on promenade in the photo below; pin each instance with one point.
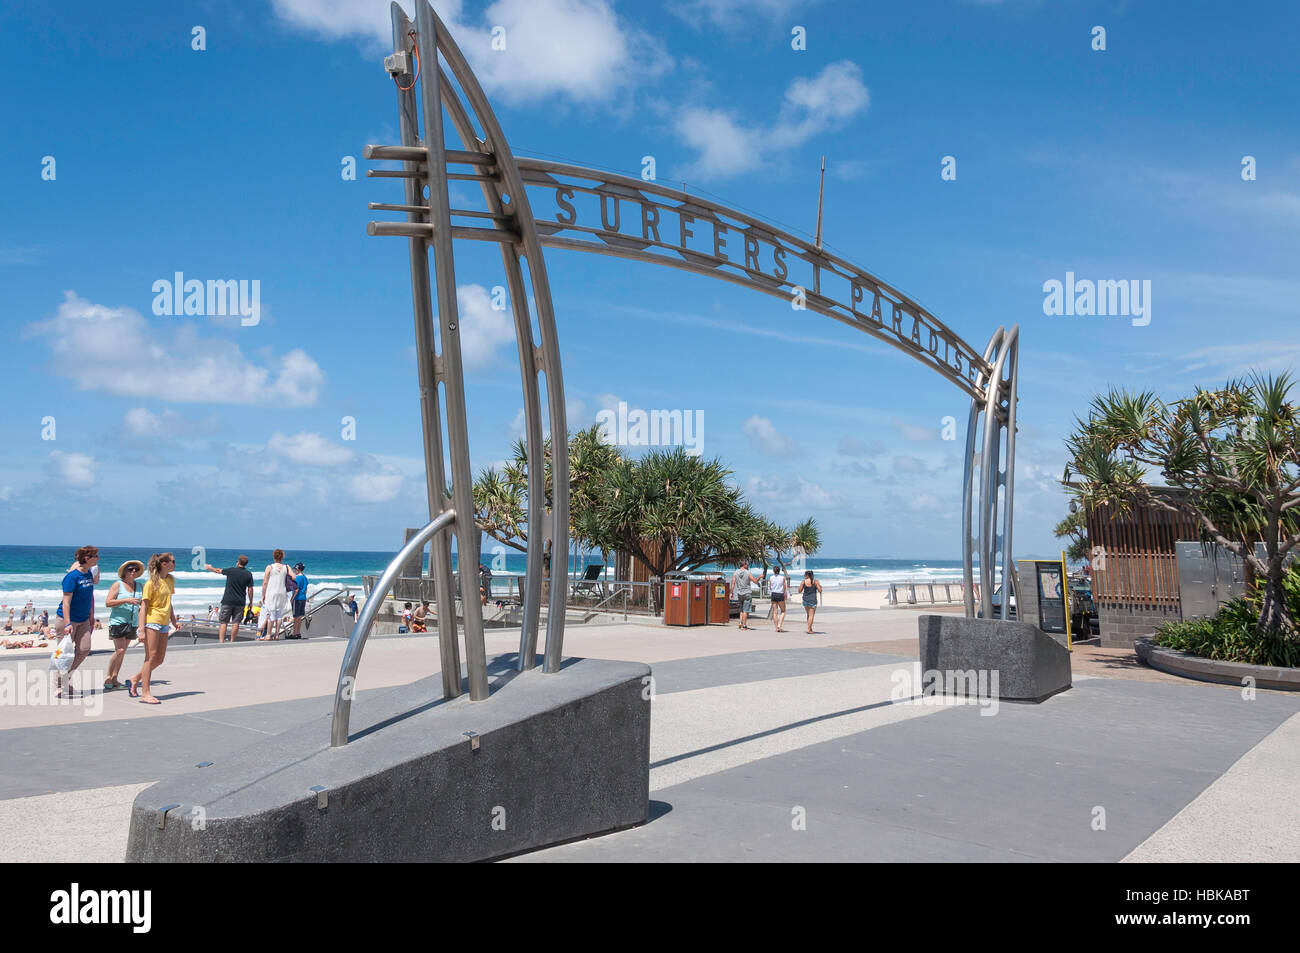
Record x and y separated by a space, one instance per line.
237 595
778 597
299 600
809 589
157 618
123 603
275 596
76 613
742 584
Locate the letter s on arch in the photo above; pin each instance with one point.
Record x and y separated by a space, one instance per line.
566 206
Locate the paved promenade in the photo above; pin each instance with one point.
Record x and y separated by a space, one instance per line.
763 747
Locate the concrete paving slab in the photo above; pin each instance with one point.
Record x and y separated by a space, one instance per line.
1022 784
1250 814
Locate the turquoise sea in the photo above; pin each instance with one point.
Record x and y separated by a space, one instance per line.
35 573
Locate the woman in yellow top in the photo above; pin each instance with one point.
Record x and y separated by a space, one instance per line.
156 615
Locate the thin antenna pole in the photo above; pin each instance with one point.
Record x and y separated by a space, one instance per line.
821 188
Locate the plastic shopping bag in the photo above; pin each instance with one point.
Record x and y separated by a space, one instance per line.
64 652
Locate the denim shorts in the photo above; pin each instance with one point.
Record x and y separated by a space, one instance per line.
746 603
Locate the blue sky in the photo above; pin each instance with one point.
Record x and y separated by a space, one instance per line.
224 163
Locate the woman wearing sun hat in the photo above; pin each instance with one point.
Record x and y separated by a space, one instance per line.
123 599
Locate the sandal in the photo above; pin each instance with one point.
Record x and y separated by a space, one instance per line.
150 701
133 688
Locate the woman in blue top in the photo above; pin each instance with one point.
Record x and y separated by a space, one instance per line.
123 619
76 613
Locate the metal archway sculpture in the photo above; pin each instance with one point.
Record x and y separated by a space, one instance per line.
761 260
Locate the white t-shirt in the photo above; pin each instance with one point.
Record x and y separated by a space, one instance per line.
778 584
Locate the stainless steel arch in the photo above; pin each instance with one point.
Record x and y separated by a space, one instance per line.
861 300
885 313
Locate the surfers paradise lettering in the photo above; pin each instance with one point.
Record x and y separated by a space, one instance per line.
633 223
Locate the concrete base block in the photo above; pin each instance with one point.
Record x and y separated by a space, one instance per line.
1030 664
552 758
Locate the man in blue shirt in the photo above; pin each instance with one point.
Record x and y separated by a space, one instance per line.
299 601
76 613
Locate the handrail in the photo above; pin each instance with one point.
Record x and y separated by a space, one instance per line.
361 631
330 593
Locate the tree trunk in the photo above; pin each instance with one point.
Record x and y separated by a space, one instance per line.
1250 578
1273 611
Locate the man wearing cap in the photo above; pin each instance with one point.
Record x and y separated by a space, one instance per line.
239 592
299 600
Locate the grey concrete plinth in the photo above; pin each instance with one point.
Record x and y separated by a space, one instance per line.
1030 665
558 757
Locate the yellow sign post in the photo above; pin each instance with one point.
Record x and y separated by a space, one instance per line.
1065 594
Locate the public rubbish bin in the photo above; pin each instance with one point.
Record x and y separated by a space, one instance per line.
719 601
676 601
699 600
686 600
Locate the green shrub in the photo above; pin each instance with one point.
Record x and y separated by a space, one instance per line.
1230 636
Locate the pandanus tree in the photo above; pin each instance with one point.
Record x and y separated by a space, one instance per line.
1075 526
501 496
673 511
1231 456
676 512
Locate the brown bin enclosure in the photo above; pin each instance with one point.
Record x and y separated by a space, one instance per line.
686 600
699 600
719 600
676 601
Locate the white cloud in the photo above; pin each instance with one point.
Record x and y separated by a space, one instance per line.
767 439
517 425
76 470
141 423
378 487
148 428
833 96
116 351
793 495
724 147
482 329
577 49
727 146
309 449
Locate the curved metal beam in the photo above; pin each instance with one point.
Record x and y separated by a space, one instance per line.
347 683
885 313
512 193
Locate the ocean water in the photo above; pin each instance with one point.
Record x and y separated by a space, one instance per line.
36 573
